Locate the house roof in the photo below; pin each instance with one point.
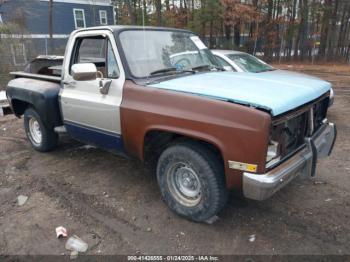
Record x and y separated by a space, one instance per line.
84 2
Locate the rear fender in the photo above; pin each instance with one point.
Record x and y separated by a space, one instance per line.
41 95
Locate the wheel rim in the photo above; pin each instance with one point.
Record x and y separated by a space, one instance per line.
184 184
35 131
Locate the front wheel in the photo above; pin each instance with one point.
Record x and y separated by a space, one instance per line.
40 137
191 180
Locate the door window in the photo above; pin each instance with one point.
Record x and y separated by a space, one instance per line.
99 51
92 50
112 65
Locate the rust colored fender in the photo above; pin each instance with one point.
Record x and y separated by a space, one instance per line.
240 133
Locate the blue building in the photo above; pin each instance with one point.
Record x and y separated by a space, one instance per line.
67 15
30 32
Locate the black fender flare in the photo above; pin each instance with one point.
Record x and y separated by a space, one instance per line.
41 95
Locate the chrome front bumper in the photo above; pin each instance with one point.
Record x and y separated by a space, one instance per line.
262 186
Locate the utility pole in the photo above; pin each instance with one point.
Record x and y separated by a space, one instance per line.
51 25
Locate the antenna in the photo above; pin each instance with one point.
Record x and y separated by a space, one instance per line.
144 34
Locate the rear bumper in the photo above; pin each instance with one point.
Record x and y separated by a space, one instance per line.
262 186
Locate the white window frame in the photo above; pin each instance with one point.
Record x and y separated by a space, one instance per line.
105 14
75 18
14 54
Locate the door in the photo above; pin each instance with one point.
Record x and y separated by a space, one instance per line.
89 115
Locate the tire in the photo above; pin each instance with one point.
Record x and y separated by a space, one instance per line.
191 180
40 137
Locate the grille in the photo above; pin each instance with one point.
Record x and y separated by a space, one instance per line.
290 134
290 130
320 112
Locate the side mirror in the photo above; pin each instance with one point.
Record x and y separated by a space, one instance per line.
84 72
104 86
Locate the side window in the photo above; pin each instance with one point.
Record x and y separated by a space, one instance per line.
112 65
223 63
103 17
99 51
91 50
79 18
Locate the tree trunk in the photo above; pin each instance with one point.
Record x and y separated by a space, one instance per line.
345 33
304 29
341 31
167 5
237 35
277 28
325 27
227 30
144 10
211 33
299 32
131 12
333 31
291 30
268 28
192 11
186 11
159 12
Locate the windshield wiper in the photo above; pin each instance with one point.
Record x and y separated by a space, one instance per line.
209 67
266 70
171 69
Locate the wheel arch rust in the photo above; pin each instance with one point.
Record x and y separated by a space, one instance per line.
187 133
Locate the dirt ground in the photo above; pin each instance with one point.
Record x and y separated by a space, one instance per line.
115 206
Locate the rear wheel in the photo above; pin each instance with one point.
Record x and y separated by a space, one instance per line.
40 137
191 180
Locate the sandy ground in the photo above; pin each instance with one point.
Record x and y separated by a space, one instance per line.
114 204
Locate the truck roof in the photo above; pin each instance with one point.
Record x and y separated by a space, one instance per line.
120 28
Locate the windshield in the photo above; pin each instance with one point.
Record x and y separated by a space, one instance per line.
249 63
153 52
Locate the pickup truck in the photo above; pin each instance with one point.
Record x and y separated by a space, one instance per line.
159 94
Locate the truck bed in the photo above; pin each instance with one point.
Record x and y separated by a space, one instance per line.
46 68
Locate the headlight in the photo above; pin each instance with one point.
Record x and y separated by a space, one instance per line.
272 153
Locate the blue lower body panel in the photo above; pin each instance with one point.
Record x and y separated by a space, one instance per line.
100 138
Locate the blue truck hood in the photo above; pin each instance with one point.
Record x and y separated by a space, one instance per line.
277 91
